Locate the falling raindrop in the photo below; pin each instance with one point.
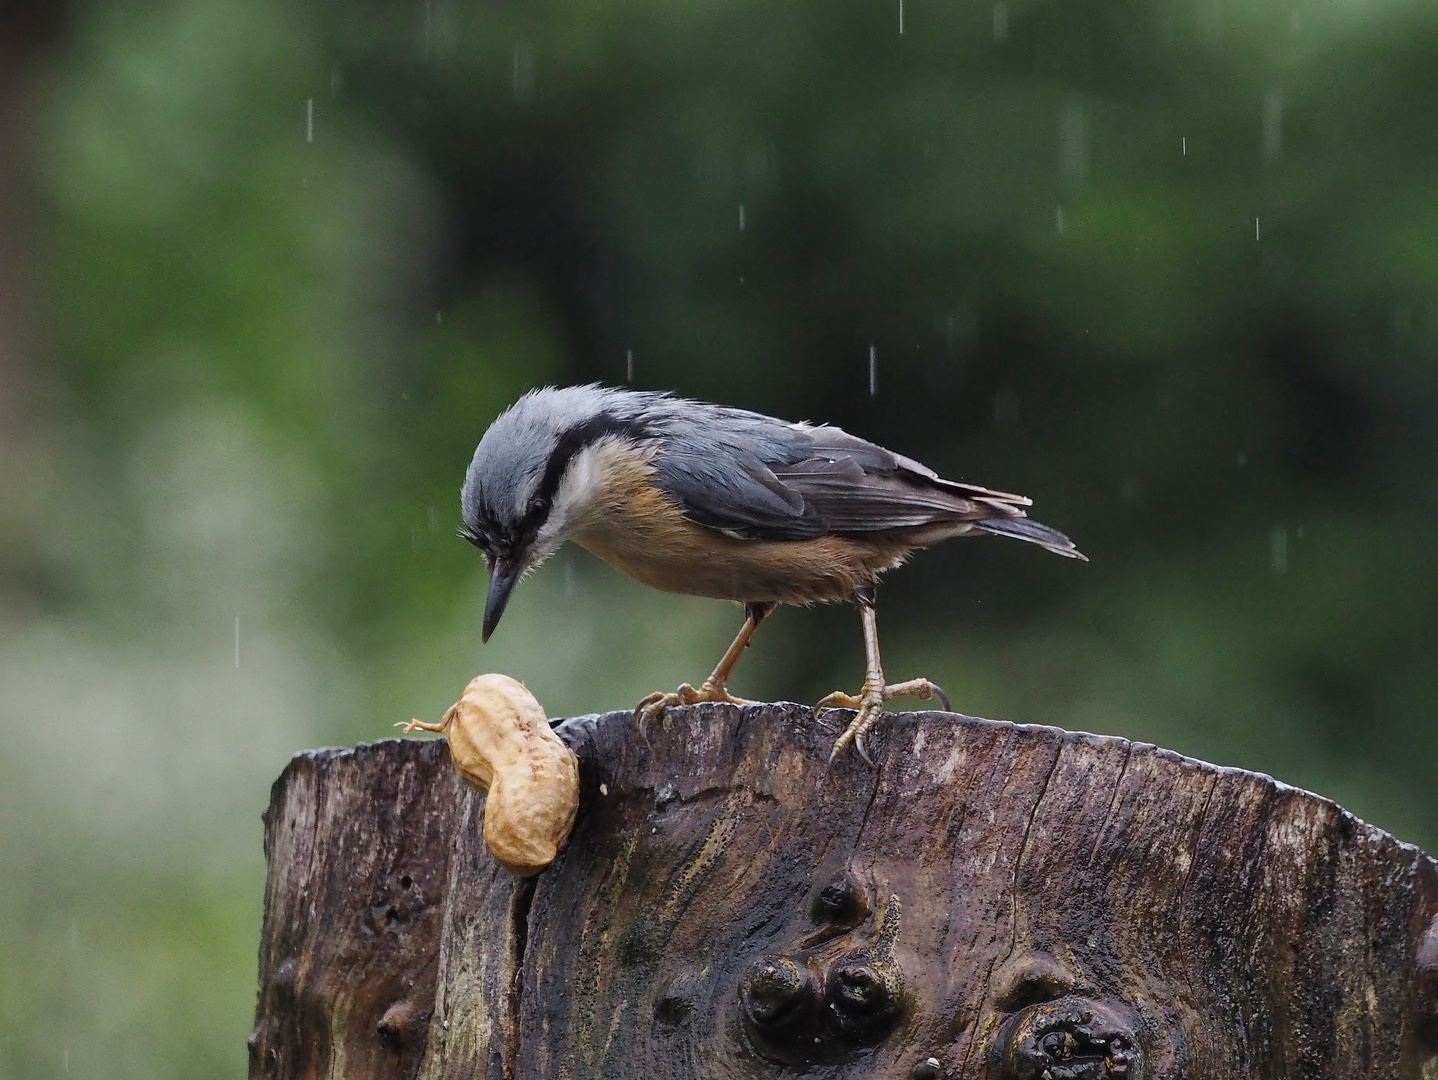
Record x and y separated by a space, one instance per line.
337 80
1183 142
1073 140
1059 224
437 32
959 329
1001 21
873 371
1295 22
522 72
1211 19
901 16
309 120
741 217
628 365
1278 549
1273 124
1256 235
237 641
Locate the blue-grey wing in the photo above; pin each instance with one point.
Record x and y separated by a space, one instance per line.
752 476
720 472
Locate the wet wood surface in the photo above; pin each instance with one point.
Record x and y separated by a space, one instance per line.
992 901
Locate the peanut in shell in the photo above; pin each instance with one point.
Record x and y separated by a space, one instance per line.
501 743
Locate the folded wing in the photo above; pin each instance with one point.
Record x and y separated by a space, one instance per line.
776 481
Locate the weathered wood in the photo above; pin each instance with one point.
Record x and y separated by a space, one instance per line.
992 901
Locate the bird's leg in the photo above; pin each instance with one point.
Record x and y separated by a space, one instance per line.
714 687
870 700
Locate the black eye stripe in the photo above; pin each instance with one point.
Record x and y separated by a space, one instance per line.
569 445
493 535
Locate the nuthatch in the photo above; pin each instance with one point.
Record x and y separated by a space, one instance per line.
712 501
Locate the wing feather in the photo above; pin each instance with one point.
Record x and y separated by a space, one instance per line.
766 479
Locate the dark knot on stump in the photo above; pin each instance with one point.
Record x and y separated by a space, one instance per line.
864 989
1070 1039
817 1004
776 993
863 997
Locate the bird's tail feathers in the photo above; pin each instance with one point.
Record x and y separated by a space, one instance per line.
1022 528
999 500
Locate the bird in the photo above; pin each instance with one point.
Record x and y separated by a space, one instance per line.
715 501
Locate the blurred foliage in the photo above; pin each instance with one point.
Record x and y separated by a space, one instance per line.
1170 268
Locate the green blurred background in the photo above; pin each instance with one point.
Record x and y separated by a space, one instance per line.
268 270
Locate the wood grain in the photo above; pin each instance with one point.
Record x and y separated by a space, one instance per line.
992 901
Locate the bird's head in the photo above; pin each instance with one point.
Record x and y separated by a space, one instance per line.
534 478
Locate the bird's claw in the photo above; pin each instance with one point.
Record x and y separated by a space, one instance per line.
653 705
856 737
869 707
919 688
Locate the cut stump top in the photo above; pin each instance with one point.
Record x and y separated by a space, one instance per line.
993 900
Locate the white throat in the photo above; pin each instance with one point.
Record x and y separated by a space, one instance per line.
585 491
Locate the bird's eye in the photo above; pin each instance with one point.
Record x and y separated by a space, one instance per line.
540 505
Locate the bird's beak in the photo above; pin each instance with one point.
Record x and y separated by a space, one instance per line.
503 573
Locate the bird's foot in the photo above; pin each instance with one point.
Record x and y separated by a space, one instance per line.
869 706
652 706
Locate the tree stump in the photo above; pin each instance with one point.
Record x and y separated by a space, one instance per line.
992 900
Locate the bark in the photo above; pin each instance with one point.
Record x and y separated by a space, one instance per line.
992 901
